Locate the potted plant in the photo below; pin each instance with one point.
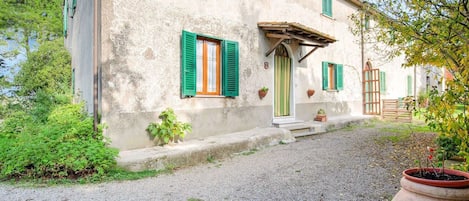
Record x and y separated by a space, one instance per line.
433 183
310 92
321 116
263 92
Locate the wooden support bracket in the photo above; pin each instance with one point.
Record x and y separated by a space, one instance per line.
280 40
310 52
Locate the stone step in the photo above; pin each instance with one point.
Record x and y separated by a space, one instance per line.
284 124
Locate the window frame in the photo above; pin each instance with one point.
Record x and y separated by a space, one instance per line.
337 76
229 69
205 73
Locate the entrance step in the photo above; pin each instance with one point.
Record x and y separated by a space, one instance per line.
301 128
284 124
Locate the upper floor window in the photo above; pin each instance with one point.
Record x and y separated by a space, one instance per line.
209 66
332 76
327 7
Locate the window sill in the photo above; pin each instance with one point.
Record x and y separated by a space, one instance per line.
209 96
327 16
331 90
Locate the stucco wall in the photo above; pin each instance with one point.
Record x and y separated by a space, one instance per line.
141 64
80 43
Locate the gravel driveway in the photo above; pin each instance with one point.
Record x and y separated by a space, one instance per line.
339 165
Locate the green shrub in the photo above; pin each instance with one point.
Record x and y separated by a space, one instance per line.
63 147
15 123
170 128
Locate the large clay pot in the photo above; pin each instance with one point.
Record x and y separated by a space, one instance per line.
415 189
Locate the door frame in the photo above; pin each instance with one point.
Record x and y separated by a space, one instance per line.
292 115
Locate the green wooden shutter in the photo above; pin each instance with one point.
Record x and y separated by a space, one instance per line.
325 76
339 76
327 7
65 15
188 64
409 85
74 5
230 68
382 81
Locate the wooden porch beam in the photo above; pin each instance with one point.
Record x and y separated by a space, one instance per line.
303 38
310 52
272 35
312 45
274 47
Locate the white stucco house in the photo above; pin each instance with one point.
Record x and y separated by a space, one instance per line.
207 59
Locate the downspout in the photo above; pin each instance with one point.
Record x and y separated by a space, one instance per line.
362 43
415 86
96 32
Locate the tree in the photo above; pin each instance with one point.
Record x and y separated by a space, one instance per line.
23 20
434 32
47 69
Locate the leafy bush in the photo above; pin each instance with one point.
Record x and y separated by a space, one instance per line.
170 129
14 124
446 116
63 147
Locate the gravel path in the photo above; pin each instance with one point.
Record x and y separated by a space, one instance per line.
340 165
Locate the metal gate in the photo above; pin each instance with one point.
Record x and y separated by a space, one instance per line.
371 92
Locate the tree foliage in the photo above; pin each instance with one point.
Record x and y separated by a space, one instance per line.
47 69
43 134
22 20
434 32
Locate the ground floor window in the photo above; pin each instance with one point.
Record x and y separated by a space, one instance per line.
209 66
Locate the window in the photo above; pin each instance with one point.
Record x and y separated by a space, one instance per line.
367 22
332 76
65 15
409 85
327 7
209 66
382 81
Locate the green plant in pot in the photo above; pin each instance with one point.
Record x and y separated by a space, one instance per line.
263 92
321 116
170 129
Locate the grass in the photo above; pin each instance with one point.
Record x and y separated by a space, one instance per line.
250 152
210 159
117 174
402 132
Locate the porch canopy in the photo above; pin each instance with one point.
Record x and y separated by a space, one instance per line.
306 36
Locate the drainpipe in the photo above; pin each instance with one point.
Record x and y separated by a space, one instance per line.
415 86
362 43
96 32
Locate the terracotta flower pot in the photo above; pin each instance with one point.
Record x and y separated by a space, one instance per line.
310 92
414 188
321 118
262 93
